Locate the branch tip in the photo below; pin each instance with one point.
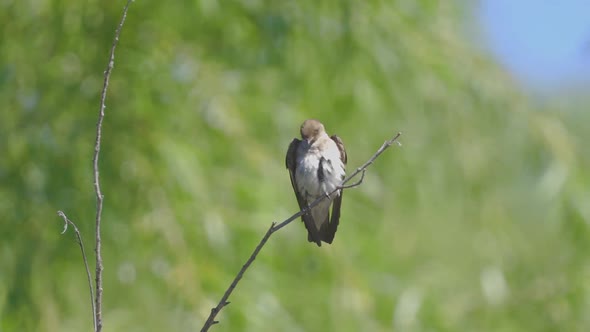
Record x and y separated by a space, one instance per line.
63 216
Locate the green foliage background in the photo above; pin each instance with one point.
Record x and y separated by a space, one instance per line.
480 222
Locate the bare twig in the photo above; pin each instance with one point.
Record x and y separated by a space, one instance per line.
99 195
275 227
88 275
223 302
356 184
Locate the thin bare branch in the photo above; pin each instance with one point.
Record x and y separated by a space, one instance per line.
88 275
275 227
99 195
356 184
364 166
223 302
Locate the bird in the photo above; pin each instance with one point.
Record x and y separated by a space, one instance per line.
316 165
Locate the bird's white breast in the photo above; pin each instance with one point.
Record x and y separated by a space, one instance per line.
308 161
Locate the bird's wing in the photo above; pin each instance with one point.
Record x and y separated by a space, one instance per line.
341 148
291 163
329 230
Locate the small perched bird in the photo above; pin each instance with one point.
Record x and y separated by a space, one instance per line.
316 164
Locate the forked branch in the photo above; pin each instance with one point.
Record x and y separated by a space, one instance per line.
97 301
275 227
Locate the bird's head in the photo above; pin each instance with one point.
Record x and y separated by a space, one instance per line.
311 130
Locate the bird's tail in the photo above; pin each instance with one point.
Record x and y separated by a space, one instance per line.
328 230
311 239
